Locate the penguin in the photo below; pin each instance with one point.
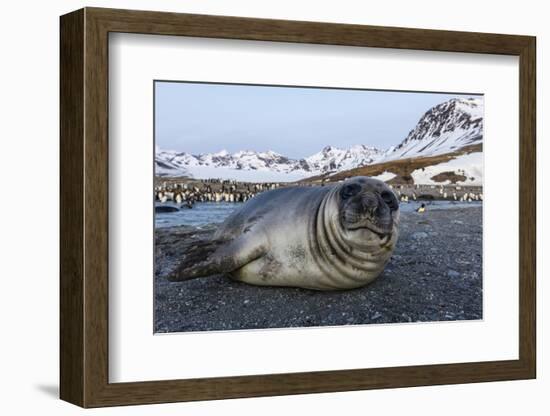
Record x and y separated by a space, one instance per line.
188 205
421 208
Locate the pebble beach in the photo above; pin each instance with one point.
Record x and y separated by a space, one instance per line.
435 274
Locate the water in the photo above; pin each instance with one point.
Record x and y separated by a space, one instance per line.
212 212
202 213
430 205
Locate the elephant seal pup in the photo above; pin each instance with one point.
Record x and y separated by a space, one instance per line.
338 236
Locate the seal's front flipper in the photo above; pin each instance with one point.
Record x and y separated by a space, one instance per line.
195 262
211 257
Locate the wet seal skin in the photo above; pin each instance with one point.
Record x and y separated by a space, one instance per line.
332 237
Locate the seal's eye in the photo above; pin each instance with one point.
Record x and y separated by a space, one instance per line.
350 190
389 198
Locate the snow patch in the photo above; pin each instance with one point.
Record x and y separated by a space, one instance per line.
470 165
385 176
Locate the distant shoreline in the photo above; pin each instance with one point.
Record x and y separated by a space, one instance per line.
182 189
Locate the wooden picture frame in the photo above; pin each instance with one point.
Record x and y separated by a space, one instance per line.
84 207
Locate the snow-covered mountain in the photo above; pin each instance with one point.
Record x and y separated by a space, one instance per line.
446 128
263 164
334 159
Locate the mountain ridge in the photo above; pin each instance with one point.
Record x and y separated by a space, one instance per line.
444 129
329 159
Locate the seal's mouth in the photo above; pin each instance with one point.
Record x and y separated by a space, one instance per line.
382 227
380 231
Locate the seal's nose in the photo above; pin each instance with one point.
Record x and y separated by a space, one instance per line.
370 201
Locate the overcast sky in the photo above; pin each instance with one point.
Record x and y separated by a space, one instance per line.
296 122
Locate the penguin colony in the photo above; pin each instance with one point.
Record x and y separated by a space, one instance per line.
210 190
217 190
407 193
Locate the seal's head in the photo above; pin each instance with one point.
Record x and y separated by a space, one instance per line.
368 207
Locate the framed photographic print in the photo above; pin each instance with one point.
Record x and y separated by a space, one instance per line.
255 207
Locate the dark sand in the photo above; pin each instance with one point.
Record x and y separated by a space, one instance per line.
435 274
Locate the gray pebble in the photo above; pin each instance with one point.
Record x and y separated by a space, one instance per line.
419 235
